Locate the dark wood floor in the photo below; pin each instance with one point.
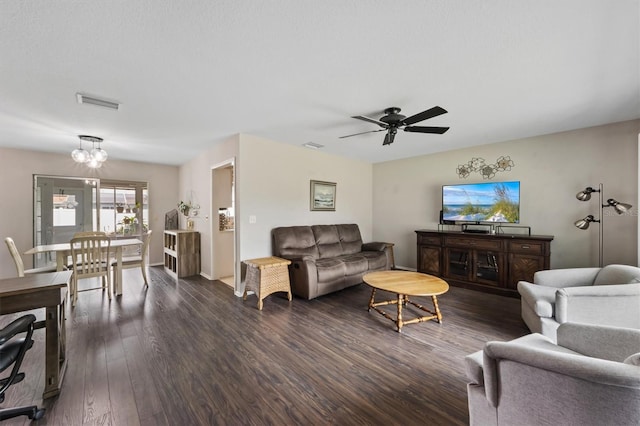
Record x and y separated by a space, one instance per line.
189 352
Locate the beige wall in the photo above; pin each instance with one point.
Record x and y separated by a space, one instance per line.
273 185
551 169
17 168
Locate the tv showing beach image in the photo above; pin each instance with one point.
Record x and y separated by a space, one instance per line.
482 202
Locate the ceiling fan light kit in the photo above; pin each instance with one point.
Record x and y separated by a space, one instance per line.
393 120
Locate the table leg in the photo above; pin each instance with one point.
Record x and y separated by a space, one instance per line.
54 363
373 295
399 320
435 305
60 255
118 277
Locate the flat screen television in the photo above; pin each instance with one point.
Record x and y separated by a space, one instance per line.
481 202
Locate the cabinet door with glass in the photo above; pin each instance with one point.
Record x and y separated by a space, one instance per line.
489 267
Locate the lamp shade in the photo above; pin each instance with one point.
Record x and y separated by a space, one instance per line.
94 164
80 155
584 223
618 206
586 194
99 154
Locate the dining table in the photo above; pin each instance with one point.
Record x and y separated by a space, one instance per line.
63 251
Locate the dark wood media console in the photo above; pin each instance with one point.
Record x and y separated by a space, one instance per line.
493 263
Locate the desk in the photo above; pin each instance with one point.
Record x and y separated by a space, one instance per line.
47 291
63 250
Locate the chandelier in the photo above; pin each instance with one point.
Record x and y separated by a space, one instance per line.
93 158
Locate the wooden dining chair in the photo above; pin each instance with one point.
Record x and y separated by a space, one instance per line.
138 261
17 259
91 254
69 260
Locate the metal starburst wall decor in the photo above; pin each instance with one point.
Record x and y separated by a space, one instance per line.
488 171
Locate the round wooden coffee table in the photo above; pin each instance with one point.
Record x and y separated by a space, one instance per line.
405 284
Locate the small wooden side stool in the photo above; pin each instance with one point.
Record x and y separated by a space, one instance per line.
265 276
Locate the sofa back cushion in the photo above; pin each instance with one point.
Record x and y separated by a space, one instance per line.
350 238
618 274
328 240
294 241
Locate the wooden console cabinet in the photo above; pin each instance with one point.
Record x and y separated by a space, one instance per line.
181 253
485 262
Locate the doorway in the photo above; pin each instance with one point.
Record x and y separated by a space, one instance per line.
223 224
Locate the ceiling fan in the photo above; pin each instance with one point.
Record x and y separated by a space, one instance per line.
393 121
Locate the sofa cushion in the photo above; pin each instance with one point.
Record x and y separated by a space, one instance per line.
354 264
328 240
294 241
376 259
330 269
617 274
350 238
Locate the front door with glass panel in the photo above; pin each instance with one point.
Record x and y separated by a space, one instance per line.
62 207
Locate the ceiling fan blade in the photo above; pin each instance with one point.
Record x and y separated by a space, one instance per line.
371 120
426 129
362 133
388 139
424 115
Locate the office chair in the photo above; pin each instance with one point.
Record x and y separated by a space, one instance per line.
12 350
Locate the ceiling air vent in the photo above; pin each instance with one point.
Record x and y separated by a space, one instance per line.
92 100
313 145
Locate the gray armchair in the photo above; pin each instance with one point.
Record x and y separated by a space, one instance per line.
606 296
591 377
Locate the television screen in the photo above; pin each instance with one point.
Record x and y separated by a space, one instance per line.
482 202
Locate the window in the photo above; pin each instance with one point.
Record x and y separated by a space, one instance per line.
124 208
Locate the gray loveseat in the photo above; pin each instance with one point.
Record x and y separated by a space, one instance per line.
327 258
590 377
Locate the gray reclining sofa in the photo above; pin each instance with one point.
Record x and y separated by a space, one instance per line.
327 258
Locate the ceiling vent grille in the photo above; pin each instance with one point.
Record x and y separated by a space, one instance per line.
313 145
92 100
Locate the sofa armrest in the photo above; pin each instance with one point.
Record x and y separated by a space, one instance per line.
374 246
615 305
541 353
304 276
599 341
540 299
473 368
570 277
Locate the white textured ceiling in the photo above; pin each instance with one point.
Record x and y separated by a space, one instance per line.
191 73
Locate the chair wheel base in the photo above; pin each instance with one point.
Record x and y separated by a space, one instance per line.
32 412
38 414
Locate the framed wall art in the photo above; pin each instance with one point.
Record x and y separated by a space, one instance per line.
323 196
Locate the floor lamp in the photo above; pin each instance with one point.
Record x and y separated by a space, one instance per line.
618 207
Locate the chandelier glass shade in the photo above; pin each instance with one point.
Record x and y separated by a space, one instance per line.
93 159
